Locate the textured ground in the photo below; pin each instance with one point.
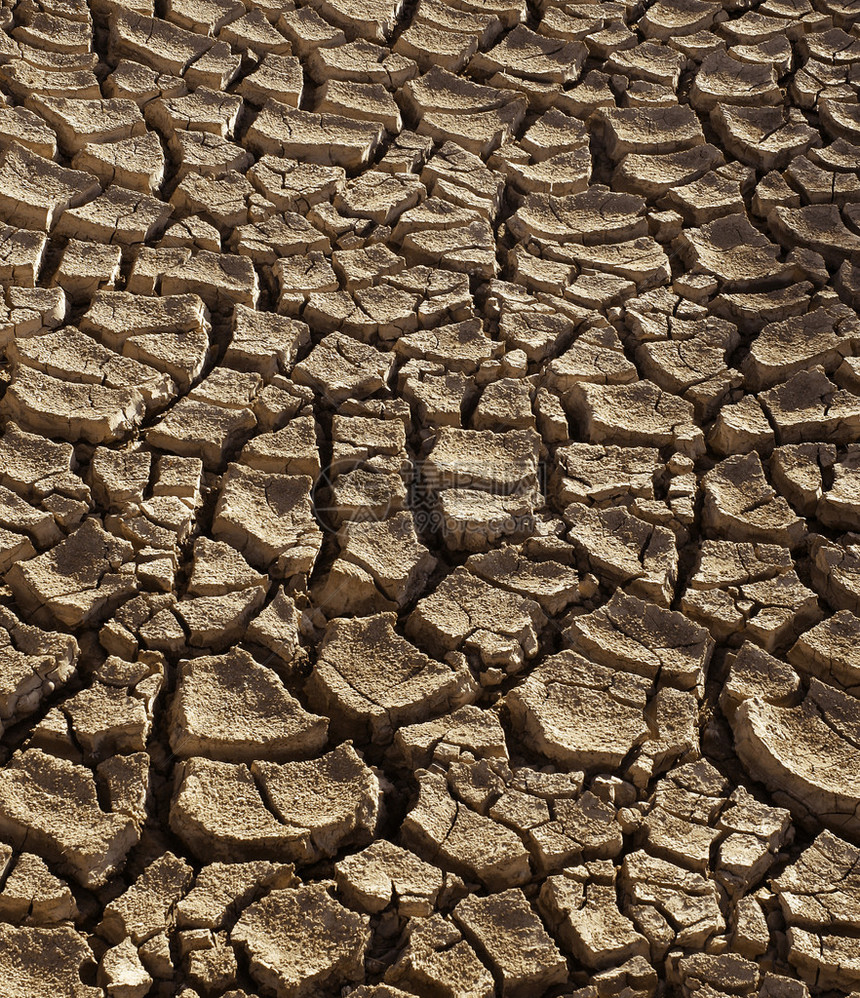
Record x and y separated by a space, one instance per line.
429 498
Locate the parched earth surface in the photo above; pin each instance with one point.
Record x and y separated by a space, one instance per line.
429 498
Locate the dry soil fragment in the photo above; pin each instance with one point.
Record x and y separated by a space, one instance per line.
219 569
371 680
229 707
45 961
642 260
466 613
290 962
438 960
327 139
506 929
668 903
29 130
707 198
383 874
497 463
718 970
461 347
838 507
278 77
752 590
836 570
121 971
268 518
360 61
441 35
290 451
215 622
106 720
839 118
530 56
22 252
830 651
596 216
387 565
20 518
447 107
52 804
217 810
222 280
810 407
826 82
362 439
797 471
734 252
824 336
598 475
208 155
466 730
533 572
623 550
740 428
681 815
580 714
335 799
454 176
819 227
164 46
253 31
644 639
32 894
586 919
819 895
68 354
36 191
436 235
340 367
311 808
640 414
126 783
202 428
78 122
226 201
449 834
37 468
141 83
23 78
723 79
307 30
82 579
87 267
806 754
753 835
119 216
647 130
740 503
692 362
764 137
295 186
559 826
146 908
277 628
222 889
169 332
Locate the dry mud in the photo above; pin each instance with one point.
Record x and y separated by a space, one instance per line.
429 498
